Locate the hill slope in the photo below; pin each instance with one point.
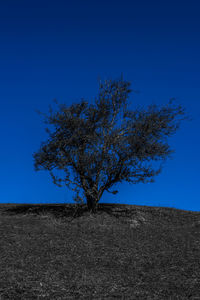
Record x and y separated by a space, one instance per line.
122 252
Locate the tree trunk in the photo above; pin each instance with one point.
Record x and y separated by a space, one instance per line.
91 204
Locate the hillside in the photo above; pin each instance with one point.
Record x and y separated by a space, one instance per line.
52 251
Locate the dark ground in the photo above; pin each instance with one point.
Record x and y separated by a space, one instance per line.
52 251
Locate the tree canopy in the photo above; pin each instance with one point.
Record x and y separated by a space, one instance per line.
100 153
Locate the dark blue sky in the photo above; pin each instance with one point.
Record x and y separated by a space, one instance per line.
59 49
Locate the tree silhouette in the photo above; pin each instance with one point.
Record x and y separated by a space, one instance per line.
101 154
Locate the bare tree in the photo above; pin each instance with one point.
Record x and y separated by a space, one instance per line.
101 154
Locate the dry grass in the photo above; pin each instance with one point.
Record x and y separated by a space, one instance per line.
48 254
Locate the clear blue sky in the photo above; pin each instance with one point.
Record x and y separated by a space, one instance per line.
59 49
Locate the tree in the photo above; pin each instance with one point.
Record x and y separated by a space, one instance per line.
101 154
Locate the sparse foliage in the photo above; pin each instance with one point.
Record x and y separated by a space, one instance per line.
101 154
